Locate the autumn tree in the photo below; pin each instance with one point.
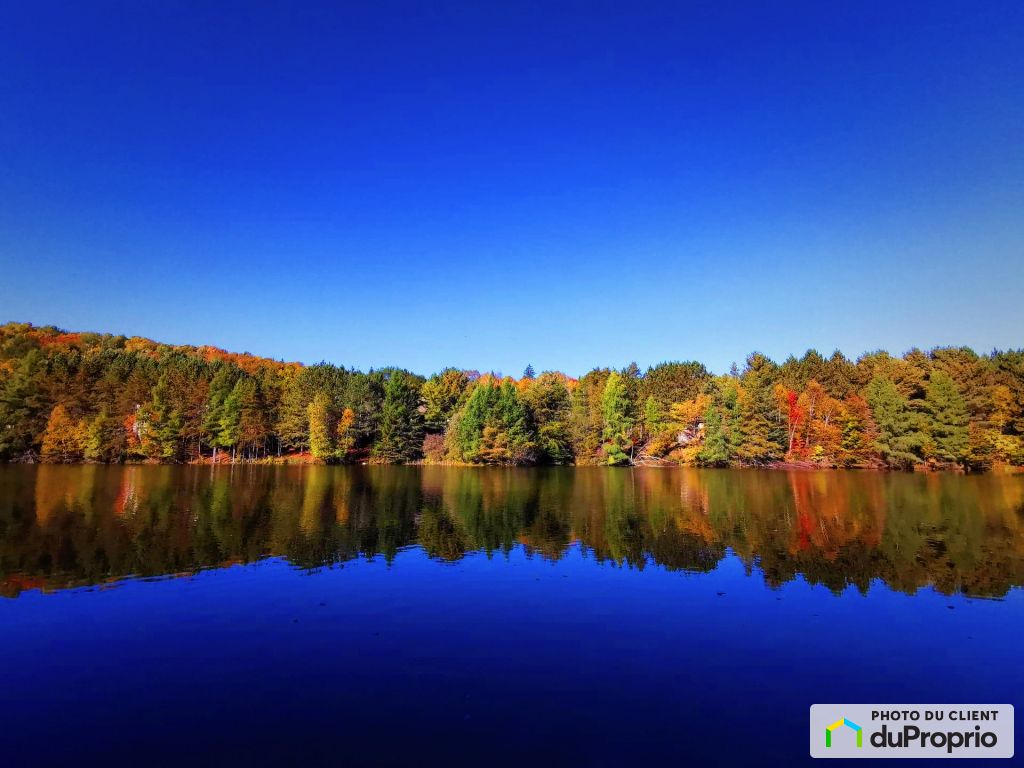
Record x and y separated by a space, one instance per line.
345 438
321 427
586 418
550 406
64 438
441 394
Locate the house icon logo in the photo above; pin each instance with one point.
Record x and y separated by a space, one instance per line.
849 724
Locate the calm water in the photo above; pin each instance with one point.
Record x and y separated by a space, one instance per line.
399 615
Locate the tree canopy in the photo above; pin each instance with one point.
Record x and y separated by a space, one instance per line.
70 397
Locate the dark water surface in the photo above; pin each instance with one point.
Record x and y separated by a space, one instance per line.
401 615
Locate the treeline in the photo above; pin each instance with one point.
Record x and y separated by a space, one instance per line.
71 397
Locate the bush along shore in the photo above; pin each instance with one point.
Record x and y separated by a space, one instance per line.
88 397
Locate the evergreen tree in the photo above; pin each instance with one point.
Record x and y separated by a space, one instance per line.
163 425
229 425
947 418
899 438
292 426
715 451
22 413
468 424
220 388
514 420
617 413
401 423
722 436
493 426
762 429
550 407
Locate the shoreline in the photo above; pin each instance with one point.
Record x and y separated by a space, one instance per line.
299 461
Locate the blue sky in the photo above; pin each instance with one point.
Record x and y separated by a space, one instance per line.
490 184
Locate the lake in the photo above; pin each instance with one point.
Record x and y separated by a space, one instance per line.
440 615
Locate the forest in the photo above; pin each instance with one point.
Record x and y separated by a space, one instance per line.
100 398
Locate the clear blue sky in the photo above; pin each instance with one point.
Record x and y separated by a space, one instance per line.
488 184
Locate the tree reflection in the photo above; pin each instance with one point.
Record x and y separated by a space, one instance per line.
64 526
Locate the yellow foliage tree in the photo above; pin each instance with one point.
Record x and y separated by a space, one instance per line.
346 433
64 439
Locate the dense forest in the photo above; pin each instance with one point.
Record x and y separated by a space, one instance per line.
74 397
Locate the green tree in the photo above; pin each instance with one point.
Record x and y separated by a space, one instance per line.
401 423
104 439
947 418
321 427
220 388
441 394
586 420
493 426
547 399
22 412
617 414
230 422
900 438
721 432
670 383
763 433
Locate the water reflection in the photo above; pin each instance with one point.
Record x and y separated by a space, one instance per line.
68 526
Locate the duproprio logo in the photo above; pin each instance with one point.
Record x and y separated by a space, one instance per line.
864 731
849 724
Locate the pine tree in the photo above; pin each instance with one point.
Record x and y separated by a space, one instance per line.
947 418
220 387
762 429
616 411
493 426
513 419
549 404
292 426
468 423
715 451
401 423
899 438
22 413
229 425
163 424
